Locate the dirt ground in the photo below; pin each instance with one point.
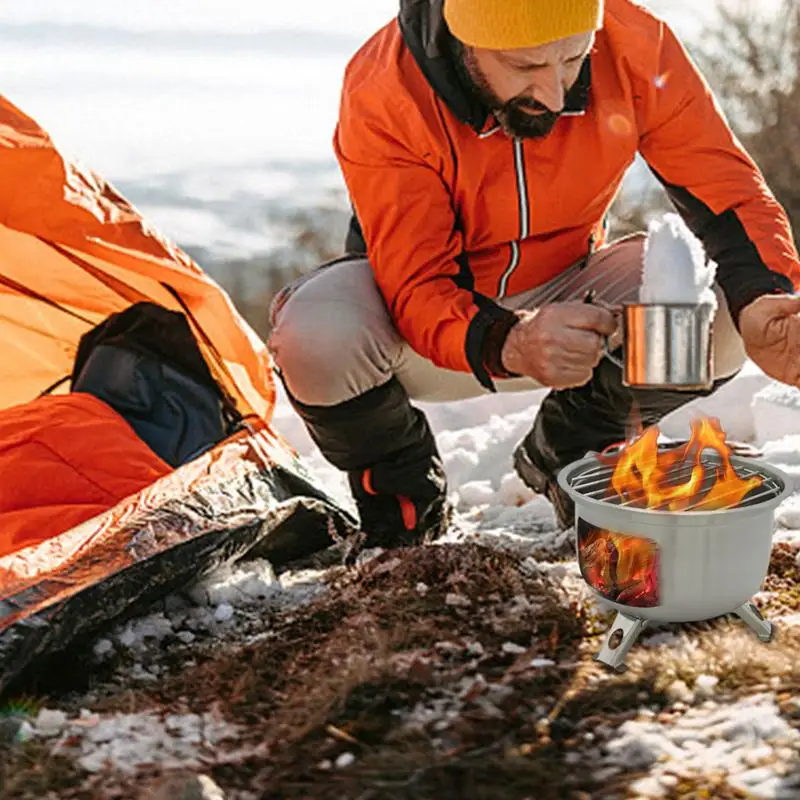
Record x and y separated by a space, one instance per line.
434 673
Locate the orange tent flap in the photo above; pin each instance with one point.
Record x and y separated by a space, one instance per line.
65 460
75 251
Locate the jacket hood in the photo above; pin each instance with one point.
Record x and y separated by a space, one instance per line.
428 38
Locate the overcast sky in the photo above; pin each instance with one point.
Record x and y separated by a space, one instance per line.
357 17
342 16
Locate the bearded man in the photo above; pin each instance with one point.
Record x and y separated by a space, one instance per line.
482 143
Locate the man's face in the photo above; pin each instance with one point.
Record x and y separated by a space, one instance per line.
525 89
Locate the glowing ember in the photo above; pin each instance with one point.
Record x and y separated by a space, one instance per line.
645 476
622 568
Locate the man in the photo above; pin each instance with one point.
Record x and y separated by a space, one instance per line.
482 143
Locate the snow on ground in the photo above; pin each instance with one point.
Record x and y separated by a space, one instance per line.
237 600
476 438
127 742
748 741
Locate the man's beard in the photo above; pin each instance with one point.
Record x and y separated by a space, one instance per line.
511 115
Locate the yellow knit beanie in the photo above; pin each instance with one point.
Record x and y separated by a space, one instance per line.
513 24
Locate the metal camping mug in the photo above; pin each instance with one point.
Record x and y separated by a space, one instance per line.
666 346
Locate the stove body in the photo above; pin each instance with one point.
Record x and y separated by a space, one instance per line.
672 566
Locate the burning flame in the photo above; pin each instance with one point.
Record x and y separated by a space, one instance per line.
645 475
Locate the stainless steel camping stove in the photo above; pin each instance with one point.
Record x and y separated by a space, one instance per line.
673 566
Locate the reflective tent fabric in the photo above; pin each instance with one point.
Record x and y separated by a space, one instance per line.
247 497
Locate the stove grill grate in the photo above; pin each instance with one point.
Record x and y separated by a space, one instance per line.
594 482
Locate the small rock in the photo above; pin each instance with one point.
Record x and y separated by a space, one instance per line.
649 787
497 692
49 722
679 692
139 673
325 765
520 602
448 648
224 612
513 649
345 760
102 647
475 649
539 663
187 637
104 731
705 685
457 600
422 588
529 567
127 638
473 688
191 787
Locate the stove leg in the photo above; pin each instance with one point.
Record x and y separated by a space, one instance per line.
762 628
621 636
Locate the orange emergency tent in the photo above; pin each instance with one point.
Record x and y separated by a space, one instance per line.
73 252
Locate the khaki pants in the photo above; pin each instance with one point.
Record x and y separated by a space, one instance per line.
333 338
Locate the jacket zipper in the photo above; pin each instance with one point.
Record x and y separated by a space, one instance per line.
524 216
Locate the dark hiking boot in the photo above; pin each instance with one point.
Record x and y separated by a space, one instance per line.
537 479
390 519
388 451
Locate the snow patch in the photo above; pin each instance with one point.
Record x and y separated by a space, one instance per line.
742 741
127 742
731 404
776 413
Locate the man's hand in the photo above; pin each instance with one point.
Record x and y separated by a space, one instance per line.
558 345
770 328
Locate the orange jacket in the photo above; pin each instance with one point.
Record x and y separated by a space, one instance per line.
453 214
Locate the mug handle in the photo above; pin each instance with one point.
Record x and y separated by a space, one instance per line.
590 298
607 353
